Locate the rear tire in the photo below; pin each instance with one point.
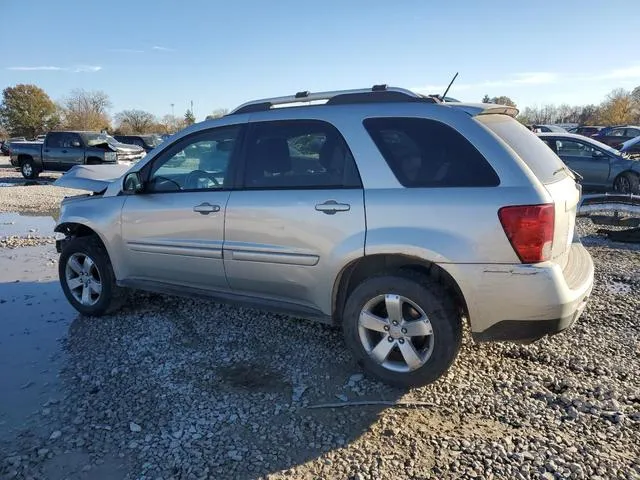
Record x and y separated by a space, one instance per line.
627 182
423 306
28 169
87 277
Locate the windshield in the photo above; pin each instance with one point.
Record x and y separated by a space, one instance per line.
93 139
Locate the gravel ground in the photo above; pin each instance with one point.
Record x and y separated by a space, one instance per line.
179 388
20 195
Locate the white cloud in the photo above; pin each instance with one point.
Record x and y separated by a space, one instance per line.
87 68
629 73
163 49
76 69
30 69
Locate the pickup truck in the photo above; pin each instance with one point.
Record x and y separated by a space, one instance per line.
63 150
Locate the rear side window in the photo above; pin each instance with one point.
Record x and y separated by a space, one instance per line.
428 153
544 164
297 154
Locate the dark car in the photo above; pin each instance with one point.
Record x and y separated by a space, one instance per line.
616 136
600 166
587 130
548 128
148 142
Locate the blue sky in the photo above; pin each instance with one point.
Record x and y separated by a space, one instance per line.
151 54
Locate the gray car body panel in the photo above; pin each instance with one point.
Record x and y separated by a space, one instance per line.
599 172
267 247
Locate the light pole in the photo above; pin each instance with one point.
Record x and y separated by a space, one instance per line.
173 114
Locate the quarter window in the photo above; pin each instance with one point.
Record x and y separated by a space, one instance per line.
199 162
427 153
298 154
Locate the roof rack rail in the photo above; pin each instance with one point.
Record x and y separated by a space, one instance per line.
376 94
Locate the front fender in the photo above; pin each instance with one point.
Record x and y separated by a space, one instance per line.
102 216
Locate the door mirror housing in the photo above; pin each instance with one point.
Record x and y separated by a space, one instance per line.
132 183
598 154
75 144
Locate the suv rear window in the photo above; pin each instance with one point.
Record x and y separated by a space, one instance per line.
544 164
428 153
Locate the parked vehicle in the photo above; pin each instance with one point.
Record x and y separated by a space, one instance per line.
631 147
618 135
63 150
548 128
148 142
40 138
5 147
600 166
586 130
394 215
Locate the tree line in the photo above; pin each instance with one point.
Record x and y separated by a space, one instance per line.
620 107
27 110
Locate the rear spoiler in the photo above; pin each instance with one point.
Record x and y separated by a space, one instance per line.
474 109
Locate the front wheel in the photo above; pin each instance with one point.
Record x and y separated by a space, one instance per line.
87 278
28 169
403 328
627 182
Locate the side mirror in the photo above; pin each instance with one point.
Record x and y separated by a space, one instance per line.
598 154
75 144
132 183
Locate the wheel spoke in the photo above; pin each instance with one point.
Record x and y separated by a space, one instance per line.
418 328
372 322
74 283
86 297
95 287
75 265
394 307
381 351
410 355
88 264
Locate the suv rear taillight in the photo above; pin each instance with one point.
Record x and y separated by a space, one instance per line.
529 228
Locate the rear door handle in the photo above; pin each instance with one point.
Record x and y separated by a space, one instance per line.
330 207
206 208
64 151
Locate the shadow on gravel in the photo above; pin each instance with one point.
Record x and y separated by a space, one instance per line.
175 387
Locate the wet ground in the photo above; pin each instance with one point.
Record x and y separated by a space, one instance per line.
34 315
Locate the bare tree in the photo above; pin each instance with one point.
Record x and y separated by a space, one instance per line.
171 124
135 121
84 110
220 112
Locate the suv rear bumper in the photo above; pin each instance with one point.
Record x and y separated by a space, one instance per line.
523 303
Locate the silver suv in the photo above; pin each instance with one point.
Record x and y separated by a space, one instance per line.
390 214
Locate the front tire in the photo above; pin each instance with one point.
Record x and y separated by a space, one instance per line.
403 328
627 182
28 169
87 277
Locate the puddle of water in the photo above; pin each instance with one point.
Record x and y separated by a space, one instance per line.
22 225
23 183
34 316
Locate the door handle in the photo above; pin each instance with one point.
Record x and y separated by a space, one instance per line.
330 207
64 151
206 208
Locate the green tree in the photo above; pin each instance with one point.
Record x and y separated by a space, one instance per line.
618 108
26 110
189 118
503 100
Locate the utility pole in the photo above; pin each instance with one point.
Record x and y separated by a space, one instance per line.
192 109
173 114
